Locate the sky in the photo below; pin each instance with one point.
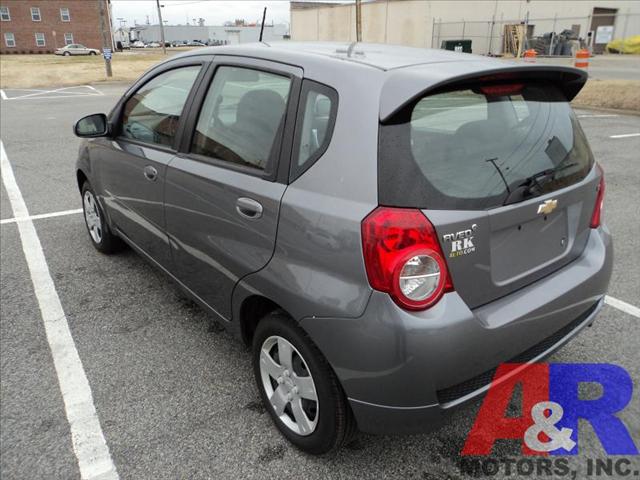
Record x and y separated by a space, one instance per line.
215 12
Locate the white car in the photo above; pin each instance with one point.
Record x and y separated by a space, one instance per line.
76 49
137 44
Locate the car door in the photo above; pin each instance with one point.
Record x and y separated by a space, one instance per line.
132 170
222 193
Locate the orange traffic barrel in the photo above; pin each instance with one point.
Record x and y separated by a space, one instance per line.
530 55
582 58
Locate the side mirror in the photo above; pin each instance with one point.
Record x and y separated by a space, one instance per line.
91 126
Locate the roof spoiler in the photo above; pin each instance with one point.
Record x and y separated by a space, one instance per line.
407 85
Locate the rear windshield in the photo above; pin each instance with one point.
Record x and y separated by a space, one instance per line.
480 148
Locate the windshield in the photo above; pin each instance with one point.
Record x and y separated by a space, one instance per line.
481 147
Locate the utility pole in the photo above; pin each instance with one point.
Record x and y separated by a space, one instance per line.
106 43
264 15
164 48
358 21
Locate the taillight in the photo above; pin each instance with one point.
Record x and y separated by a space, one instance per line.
597 209
403 257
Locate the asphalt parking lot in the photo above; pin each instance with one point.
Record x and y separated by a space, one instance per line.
174 394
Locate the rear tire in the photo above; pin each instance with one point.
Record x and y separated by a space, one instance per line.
92 53
299 389
66 54
101 237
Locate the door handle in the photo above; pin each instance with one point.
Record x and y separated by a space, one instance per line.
249 208
150 173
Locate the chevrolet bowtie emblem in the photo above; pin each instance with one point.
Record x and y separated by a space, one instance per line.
547 207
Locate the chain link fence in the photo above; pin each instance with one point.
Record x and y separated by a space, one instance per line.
552 36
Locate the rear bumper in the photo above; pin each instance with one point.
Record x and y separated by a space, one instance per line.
403 371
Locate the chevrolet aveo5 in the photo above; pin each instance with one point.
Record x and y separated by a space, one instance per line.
382 225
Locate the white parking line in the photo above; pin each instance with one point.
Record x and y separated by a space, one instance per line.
89 445
63 92
54 96
626 135
3 95
588 115
41 215
624 306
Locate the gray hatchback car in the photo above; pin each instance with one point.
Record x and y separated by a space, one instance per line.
383 225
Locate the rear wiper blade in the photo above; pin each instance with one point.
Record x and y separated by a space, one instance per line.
534 180
527 186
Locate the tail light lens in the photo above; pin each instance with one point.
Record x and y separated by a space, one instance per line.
597 209
403 257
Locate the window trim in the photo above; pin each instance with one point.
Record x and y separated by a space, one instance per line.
308 86
44 39
8 12
65 39
278 167
62 16
115 117
37 9
6 39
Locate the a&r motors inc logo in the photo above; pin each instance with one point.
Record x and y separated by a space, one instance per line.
551 408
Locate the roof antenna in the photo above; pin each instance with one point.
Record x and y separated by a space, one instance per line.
264 15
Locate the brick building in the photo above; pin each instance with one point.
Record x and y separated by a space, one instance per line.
41 26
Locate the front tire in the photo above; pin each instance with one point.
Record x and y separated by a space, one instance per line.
298 387
101 237
92 53
66 54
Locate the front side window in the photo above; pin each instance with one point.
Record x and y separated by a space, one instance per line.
64 15
152 114
316 117
4 14
40 41
242 117
477 148
9 39
35 14
68 38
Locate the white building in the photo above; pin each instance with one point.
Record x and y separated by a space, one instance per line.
426 23
216 33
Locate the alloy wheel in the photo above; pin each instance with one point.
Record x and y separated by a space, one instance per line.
289 386
92 217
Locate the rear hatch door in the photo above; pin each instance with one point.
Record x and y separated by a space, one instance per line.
502 169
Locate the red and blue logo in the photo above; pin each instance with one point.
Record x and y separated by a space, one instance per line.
551 408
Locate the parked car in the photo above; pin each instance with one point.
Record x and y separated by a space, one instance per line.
153 45
76 49
382 225
137 44
195 43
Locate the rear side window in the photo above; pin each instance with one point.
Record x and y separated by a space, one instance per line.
314 125
242 117
480 148
152 114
